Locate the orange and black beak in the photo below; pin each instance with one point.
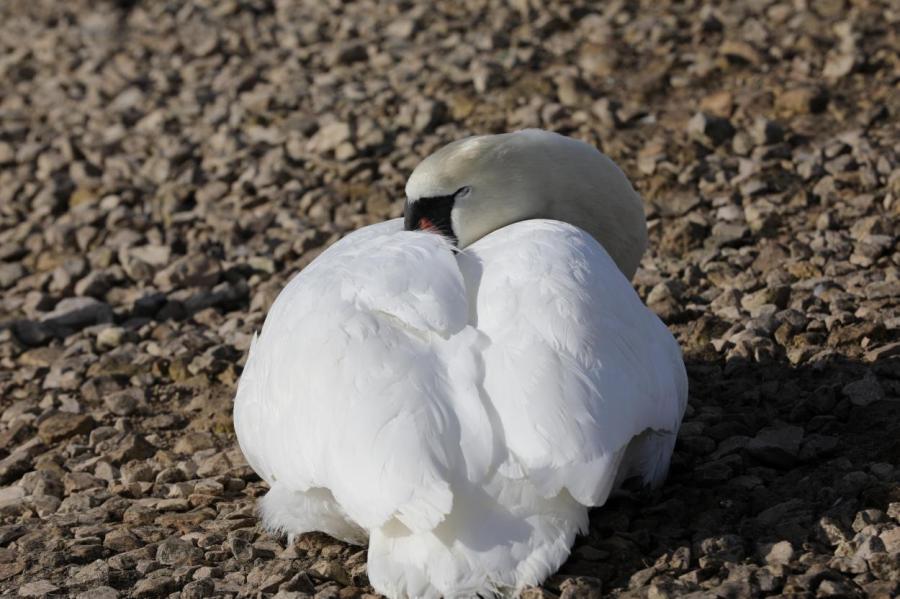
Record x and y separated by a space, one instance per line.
431 214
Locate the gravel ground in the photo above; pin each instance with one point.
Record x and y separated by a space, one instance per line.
165 167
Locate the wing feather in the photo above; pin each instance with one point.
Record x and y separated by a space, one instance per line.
349 385
576 365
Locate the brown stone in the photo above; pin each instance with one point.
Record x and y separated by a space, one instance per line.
62 425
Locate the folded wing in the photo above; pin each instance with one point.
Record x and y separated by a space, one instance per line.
576 366
350 385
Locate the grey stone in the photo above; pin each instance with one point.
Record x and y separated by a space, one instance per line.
776 446
864 391
175 552
241 549
10 273
149 588
125 402
77 313
37 588
99 592
198 589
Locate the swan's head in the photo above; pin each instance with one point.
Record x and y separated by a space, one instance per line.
477 185
470 188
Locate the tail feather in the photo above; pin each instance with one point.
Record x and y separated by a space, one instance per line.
296 512
647 457
487 546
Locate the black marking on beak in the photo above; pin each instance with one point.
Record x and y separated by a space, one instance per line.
431 214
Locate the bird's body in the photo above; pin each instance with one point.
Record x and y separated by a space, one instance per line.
460 410
463 416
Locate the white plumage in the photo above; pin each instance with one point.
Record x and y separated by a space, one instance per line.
460 410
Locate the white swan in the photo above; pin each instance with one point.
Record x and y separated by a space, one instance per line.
461 407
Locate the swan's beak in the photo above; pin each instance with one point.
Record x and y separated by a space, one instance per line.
430 214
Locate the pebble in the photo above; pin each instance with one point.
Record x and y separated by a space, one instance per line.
585 587
193 442
122 540
198 589
110 337
11 497
766 132
60 426
781 552
99 592
776 446
125 402
662 300
15 465
329 137
37 588
132 447
176 552
157 586
241 549
196 270
864 391
740 51
801 100
10 273
710 129
95 574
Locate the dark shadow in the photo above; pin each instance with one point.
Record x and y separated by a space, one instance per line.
735 486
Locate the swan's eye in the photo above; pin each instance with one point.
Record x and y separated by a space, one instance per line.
463 192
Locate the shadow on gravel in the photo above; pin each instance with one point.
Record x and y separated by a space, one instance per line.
768 452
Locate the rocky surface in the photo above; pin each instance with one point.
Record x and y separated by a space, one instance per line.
165 167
